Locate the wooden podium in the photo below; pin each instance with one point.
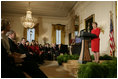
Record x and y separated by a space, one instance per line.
85 54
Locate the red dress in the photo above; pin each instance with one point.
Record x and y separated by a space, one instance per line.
95 43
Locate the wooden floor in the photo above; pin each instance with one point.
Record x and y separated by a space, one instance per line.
53 70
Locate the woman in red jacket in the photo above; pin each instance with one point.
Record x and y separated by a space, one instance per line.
32 47
95 43
37 48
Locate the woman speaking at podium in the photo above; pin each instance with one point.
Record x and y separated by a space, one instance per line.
95 43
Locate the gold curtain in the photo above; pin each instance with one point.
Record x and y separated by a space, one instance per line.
53 34
36 27
58 27
62 34
25 33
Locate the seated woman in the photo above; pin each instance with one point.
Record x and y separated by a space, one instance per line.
37 48
32 47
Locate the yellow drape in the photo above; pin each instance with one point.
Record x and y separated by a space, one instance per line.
58 27
62 34
36 27
25 33
53 34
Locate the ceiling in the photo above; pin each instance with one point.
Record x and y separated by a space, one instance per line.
42 8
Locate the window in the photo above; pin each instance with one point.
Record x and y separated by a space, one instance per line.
58 36
30 34
76 33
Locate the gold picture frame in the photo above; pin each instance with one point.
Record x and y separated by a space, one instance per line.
88 18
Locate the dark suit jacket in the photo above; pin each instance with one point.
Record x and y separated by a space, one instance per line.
13 46
23 49
63 49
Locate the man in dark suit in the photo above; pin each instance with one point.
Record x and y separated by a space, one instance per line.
13 46
11 36
23 48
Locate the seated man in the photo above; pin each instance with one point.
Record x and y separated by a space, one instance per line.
23 49
13 46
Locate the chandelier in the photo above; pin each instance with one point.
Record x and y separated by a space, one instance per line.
28 21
